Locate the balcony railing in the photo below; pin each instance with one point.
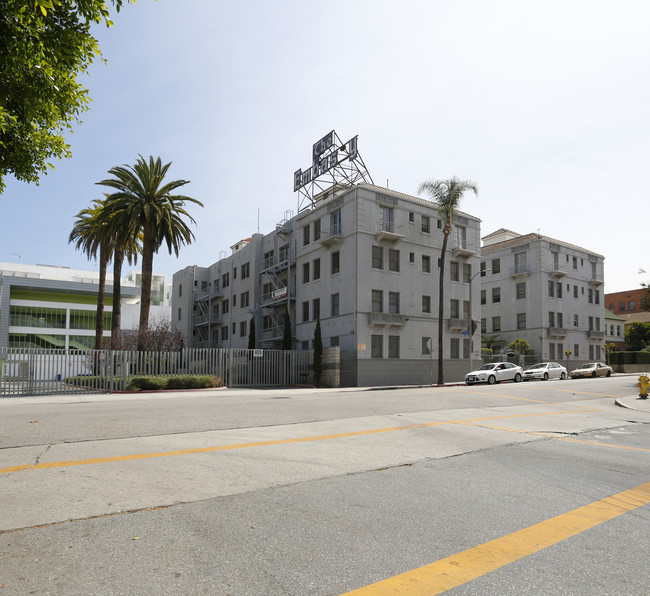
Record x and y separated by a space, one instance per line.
556 332
385 319
455 324
592 334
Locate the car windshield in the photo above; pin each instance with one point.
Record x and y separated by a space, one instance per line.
487 367
591 365
537 366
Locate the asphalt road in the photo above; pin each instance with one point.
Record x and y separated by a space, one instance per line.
530 488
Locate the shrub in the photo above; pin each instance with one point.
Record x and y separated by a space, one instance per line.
86 381
179 382
629 358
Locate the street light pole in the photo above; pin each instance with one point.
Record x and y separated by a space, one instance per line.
471 319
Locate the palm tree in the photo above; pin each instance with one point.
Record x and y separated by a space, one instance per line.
447 193
143 204
89 236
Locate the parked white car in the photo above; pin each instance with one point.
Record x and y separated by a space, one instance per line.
545 371
495 372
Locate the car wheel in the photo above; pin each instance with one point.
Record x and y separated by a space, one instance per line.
593 375
491 380
609 373
562 377
517 378
545 376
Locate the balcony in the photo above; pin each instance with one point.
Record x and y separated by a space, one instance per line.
334 238
386 231
462 250
278 295
520 271
208 294
456 325
592 334
201 320
557 273
556 332
596 281
385 319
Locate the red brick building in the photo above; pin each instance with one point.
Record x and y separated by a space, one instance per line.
625 303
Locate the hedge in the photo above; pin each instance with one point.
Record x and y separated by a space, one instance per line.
179 382
86 380
617 358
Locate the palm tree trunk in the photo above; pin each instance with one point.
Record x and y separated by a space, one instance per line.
441 305
104 253
145 295
116 321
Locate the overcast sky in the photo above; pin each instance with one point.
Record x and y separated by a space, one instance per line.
544 104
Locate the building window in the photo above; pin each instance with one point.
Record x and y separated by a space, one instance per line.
621 306
179 314
393 346
558 292
244 299
335 223
453 271
483 325
225 306
453 309
597 297
225 280
376 346
411 217
305 273
521 290
551 351
426 264
393 302
575 291
334 341
245 270
425 346
305 311
234 300
426 224
305 236
317 230
234 272
483 297
551 319
336 256
632 305
180 290
224 333
467 273
377 257
466 309
575 262
560 319
496 295
455 348
521 320
590 296
496 266
316 308
316 268
439 224
335 305
575 320
387 219
426 304
551 289
466 349
377 301
393 260
234 328
411 257
496 324
520 262
242 328
576 350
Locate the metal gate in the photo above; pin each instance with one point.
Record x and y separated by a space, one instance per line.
35 371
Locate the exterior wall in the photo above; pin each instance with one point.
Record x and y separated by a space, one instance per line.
625 303
614 330
317 237
569 285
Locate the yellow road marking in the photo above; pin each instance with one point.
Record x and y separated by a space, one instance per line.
587 393
475 562
213 448
537 401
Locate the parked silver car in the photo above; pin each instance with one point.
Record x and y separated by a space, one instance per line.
495 372
593 369
545 371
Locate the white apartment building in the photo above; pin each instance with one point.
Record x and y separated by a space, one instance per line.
46 306
364 260
546 291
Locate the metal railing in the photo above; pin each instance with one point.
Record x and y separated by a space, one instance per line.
37 371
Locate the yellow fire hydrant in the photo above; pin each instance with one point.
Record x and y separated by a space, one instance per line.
643 384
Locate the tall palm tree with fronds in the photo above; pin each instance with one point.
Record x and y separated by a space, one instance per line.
447 193
89 236
142 202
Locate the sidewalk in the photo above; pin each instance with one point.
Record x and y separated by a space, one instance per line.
633 402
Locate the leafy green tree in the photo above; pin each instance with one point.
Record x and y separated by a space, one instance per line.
637 336
448 194
144 204
287 338
251 335
89 236
490 341
318 354
45 46
519 347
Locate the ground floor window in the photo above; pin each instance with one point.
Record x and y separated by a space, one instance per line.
393 346
376 346
454 348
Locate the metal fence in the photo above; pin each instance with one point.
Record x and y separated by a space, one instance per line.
34 371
